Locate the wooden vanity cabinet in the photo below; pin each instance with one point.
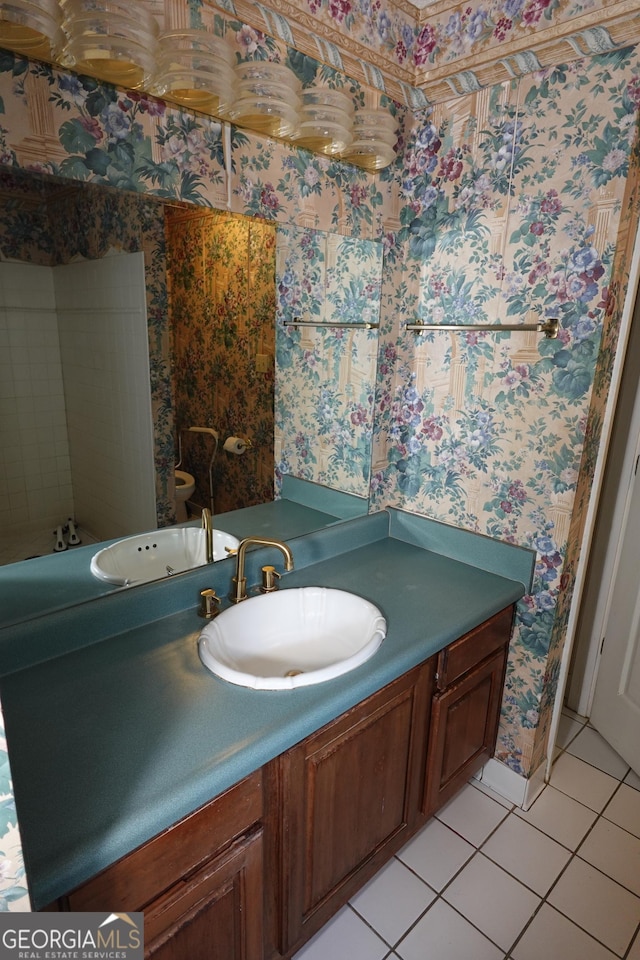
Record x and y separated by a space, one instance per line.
466 708
199 884
348 798
256 872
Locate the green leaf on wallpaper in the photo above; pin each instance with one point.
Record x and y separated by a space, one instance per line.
97 161
74 168
5 775
75 138
8 817
537 92
1 105
99 99
304 67
7 60
573 381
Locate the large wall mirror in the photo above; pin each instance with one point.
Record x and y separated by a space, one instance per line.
127 320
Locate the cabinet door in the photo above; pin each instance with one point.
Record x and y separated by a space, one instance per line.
464 726
216 914
350 795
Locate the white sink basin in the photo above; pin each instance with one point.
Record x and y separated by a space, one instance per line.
151 556
292 638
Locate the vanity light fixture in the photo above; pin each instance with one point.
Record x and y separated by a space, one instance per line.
326 121
374 139
267 98
113 40
119 41
194 68
31 27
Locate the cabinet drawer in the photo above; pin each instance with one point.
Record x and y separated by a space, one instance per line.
139 877
467 652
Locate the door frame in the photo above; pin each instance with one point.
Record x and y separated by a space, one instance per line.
593 653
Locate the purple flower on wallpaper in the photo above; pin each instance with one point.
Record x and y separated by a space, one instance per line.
116 122
453 26
425 45
70 83
384 25
534 11
551 203
584 260
512 8
339 10
476 25
249 39
427 138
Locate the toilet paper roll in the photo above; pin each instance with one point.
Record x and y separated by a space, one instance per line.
235 445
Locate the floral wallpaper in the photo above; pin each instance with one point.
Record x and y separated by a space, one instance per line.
513 203
325 376
512 210
222 270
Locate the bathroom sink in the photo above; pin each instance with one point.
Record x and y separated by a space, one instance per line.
292 638
151 556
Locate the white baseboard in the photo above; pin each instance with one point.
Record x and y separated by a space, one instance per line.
519 790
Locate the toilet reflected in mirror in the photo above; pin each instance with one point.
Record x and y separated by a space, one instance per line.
185 486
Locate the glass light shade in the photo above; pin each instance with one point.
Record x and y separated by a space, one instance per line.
31 27
380 120
323 137
268 98
327 97
257 70
369 154
274 118
194 68
109 39
326 119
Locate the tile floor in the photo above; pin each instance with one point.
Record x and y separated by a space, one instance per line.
21 545
484 880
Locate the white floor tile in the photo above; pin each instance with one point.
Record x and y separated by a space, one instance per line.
492 900
442 934
527 854
344 937
615 852
633 780
560 817
480 785
624 809
393 900
597 904
594 749
436 854
583 782
472 814
553 937
568 728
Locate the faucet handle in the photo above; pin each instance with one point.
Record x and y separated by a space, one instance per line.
209 604
269 576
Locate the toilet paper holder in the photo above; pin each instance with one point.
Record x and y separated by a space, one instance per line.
237 445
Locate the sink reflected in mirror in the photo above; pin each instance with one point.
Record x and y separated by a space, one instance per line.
292 638
162 553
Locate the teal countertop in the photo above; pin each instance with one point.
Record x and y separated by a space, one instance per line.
116 730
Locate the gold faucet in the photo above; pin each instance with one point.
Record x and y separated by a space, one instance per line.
239 582
207 524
